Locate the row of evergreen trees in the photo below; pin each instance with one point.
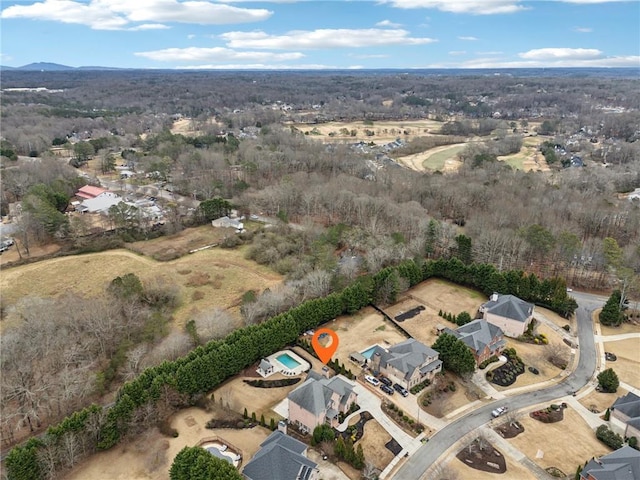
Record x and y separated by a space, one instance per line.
207 366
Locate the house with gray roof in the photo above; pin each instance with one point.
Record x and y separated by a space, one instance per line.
508 312
623 464
281 457
625 416
407 363
320 400
483 338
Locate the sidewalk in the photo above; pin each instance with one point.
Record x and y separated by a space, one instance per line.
481 381
592 419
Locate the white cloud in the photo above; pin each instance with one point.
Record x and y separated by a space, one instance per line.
476 7
150 26
583 29
376 55
491 52
120 14
216 54
323 38
191 36
457 52
591 2
470 39
561 54
388 23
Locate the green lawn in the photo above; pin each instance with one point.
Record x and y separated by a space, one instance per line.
516 161
438 159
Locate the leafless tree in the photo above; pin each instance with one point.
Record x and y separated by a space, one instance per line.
214 324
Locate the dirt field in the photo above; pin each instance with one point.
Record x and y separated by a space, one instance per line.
150 456
628 361
565 444
435 295
600 401
360 331
384 131
188 127
373 442
222 276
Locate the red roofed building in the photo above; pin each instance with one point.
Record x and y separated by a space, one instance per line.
89 191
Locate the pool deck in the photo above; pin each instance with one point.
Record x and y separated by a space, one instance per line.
278 366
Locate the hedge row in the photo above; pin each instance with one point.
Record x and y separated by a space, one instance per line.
209 365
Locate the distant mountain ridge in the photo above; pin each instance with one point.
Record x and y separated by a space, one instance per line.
53 67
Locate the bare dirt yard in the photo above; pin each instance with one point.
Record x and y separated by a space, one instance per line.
149 456
221 277
373 441
434 295
600 401
383 131
361 331
564 445
628 361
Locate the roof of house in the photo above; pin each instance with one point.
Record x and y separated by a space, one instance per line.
280 458
511 307
265 365
407 356
629 405
314 395
101 203
478 334
89 191
623 464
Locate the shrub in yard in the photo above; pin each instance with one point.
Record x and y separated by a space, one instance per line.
608 380
608 437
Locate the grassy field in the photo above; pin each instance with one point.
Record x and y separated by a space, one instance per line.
628 361
220 276
600 401
528 158
443 159
373 442
564 445
456 469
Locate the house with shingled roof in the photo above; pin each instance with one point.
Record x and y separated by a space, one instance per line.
623 464
319 400
407 363
625 415
281 457
508 312
483 338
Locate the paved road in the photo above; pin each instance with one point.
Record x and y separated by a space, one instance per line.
421 460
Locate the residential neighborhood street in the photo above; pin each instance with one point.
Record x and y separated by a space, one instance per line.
420 462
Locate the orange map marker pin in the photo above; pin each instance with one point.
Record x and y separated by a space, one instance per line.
324 352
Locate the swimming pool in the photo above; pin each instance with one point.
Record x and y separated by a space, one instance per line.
288 361
368 353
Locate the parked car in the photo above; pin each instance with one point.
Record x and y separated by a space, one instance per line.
385 380
386 389
372 380
400 389
499 411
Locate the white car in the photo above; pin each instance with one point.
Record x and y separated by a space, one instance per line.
372 380
499 411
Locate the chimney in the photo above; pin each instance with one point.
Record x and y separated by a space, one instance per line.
282 426
326 372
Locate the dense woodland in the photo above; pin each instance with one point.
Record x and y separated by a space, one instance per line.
341 220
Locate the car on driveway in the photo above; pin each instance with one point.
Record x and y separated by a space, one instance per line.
385 380
499 411
400 389
372 380
386 389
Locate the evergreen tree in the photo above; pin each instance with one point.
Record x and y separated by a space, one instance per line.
195 463
611 313
463 249
455 355
608 380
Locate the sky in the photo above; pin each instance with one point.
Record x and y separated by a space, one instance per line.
338 34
